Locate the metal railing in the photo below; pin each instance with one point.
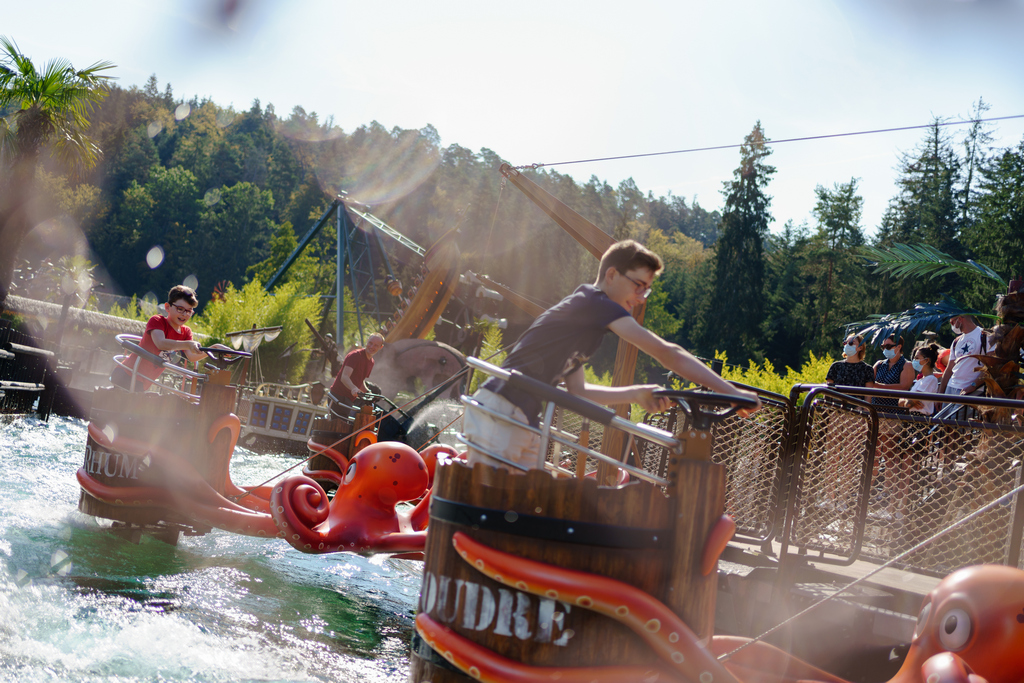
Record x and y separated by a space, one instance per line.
549 434
832 476
178 375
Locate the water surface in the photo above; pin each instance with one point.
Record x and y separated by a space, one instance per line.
79 604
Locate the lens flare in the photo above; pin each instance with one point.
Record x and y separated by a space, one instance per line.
154 129
377 166
182 111
155 257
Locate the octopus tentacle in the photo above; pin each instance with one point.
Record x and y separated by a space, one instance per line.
419 517
255 498
336 478
335 455
245 523
760 662
663 630
489 667
947 667
719 537
229 422
298 504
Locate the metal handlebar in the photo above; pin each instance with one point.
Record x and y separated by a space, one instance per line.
576 404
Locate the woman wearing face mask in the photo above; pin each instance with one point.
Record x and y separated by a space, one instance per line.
924 363
915 439
894 372
852 371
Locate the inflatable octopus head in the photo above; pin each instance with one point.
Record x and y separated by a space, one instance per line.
388 471
977 614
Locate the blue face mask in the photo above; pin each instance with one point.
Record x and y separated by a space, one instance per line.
850 349
917 365
889 353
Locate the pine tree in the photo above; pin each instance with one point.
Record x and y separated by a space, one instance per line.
733 320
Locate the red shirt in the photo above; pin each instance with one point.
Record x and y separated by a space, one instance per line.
361 365
158 322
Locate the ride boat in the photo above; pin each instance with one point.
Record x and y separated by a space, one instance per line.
157 462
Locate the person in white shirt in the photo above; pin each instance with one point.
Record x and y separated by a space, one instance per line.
928 383
961 373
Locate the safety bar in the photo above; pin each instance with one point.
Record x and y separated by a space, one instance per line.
130 342
578 405
581 406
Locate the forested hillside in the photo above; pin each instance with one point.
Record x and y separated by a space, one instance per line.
193 188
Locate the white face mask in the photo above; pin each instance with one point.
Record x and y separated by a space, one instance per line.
956 330
850 349
889 353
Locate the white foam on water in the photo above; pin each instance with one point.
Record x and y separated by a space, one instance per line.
78 604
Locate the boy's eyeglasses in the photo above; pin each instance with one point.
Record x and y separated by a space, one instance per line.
642 288
183 310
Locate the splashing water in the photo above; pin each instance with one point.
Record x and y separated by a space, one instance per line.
79 604
433 417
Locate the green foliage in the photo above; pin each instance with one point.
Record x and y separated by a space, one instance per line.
591 377
134 310
225 195
491 350
51 105
765 376
251 306
919 260
922 316
733 313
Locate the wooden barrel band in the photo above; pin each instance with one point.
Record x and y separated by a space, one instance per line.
550 528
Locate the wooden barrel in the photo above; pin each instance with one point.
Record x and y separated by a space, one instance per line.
623 533
158 421
328 431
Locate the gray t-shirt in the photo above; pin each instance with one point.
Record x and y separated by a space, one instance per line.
558 342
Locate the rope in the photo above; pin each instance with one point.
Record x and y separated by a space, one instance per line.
771 142
939 534
342 440
349 436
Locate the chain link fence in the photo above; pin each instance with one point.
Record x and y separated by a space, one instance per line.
837 478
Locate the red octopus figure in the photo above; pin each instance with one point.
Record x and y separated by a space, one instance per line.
361 517
970 630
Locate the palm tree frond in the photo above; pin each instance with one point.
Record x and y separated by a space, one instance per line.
921 260
922 316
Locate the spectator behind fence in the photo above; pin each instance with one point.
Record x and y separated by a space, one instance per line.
852 371
893 372
961 375
924 363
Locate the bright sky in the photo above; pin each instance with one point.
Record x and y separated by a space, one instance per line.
550 81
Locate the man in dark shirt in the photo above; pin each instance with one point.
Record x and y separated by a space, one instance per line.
563 338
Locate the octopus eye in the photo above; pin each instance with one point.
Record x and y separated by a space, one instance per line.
443 361
954 629
350 474
922 619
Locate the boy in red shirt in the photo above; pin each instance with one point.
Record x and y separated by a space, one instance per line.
164 335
